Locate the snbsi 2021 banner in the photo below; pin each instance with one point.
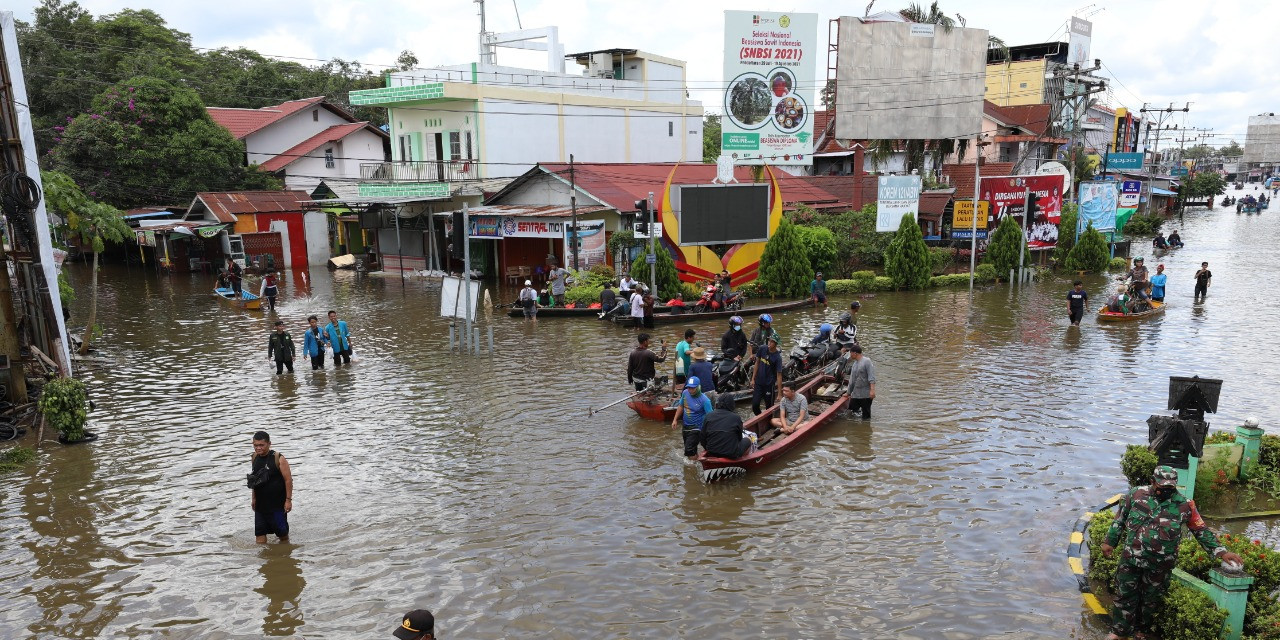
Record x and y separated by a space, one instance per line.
1006 195
769 73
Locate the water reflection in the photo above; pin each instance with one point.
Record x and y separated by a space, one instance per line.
282 586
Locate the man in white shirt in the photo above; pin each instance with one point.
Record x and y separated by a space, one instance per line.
637 308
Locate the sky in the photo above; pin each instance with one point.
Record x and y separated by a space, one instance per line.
1176 51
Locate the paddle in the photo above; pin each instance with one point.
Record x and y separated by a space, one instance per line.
590 411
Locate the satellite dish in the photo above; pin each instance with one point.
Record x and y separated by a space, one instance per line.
1056 169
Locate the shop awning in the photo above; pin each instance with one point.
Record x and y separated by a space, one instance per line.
1157 191
529 210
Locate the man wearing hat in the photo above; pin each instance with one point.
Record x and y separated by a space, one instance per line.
529 300
694 407
701 369
418 624
1149 524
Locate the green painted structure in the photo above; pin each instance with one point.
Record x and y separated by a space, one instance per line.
404 189
1228 592
388 95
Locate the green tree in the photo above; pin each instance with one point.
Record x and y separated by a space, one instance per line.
1090 253
1231 150
95 222
1199 151
668 278
784 267
1066 231
907 262
1082 166
147 141
1002 251
819 245
1204 184
711 130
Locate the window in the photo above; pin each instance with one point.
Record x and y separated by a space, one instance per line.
328 158
406 149
466 137
315 115
455 145
671 129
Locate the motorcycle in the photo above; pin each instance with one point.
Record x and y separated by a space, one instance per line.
731 373
708 302
805 357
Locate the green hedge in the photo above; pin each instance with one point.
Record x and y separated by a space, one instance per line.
1118 264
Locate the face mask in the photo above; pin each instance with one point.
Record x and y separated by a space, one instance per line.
737 327
1164 492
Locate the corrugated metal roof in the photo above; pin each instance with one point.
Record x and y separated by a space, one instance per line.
530 211
224 206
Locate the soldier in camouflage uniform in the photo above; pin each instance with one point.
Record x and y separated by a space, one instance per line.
1150 525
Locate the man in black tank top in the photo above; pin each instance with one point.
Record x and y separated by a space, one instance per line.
272 499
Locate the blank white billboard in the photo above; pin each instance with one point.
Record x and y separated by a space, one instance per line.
903 80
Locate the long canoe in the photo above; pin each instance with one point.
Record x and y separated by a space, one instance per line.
689 316
771 443
661 406
1157 308
245 301
563 312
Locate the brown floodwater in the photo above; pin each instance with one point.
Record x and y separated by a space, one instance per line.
480 488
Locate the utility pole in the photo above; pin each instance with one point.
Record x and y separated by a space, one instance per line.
1080 100
573 215
977 209
653 254
1163 114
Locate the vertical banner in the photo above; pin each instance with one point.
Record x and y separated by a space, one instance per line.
769 63
1006 196
898 196
1098 202
1078 42
591 247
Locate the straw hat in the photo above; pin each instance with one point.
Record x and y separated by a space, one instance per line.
698 353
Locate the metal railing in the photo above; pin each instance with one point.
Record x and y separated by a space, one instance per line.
418 171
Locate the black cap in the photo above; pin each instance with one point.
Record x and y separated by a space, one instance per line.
415 623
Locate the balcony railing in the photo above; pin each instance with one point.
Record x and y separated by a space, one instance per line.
425 171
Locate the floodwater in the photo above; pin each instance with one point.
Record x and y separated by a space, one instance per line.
480 488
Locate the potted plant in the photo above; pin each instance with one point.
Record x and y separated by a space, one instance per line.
63 403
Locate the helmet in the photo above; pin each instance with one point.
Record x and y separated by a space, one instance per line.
846 317
1138 259
825 327
735 320
764 317
693 382
855 305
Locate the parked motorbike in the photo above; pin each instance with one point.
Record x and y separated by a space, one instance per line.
804 358
731 373
708 301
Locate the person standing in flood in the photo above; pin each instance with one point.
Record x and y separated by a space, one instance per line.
272 484
1203 276
314 343
280 348
339 339
1077 303
269 290
862 382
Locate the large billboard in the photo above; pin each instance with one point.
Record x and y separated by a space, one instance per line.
1007 197
769 67
722 214
899 80
1078 42
1098 202
898 196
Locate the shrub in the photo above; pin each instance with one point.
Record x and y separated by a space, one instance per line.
1101 568
1003 250
752 289
842 287
1211 480
1090 253
1220 437
582 295
1269 451
940 258
1066 231
1143 224
784 269
63 402
882 283
907 261
1138 463
819 245
1188 614
1260 561
14 458
668 278
1117 264
985 273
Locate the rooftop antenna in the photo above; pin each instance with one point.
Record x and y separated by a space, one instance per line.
517 8
867 12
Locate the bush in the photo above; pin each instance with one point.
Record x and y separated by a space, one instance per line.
907 261
950 280
582 295
1188 614
1066 231
1117 264
1003 250
882 283
64 404
1143 224
985 273
668 278
784 269
819 245
1138 463
14 458
1269 451
940 258
1090 253
1220 437
1101 568
842 287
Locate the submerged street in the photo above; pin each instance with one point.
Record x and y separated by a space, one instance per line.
480 488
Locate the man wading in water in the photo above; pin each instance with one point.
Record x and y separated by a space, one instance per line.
272 485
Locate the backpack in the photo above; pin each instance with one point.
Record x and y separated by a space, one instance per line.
260 477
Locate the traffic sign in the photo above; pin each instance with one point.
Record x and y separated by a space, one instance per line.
649 258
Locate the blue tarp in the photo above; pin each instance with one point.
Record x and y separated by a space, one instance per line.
1162 192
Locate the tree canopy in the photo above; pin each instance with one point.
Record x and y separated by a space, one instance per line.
784 267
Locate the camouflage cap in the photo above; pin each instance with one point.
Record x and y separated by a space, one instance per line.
1164 476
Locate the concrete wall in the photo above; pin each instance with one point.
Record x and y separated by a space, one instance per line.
1016 83
1262 144
361 146
284 134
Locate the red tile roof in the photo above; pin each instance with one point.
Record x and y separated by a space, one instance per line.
961 175
332 134
242 122
224 206
1032 117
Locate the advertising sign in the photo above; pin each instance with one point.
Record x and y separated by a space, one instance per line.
1006 196
591 247
486 226
898 196
1124 161
532 228
1098 202
962 222
769 62
1078 44
1130 193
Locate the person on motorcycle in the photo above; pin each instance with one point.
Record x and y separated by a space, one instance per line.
846 332
824 334
733 344
765 331
1139 277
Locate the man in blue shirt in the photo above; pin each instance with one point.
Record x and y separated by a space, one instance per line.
1157 284
768 375
694 407
818 291
339 339
701 369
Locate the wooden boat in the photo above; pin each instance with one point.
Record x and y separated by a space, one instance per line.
689 316
1109 316
245 301
661 407
771 443
576 312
